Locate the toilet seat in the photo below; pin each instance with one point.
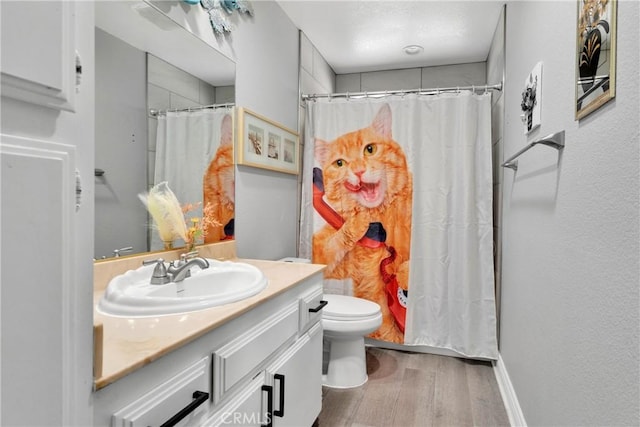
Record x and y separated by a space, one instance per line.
345 308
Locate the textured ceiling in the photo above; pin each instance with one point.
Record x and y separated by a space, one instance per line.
365 35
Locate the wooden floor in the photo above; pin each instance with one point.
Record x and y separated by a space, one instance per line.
414 389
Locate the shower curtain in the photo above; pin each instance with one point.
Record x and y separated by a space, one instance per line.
397 201
186 143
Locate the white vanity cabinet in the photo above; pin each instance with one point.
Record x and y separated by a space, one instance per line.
287 392
263 367
271 373
182 400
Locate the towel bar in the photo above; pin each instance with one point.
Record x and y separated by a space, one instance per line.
555 140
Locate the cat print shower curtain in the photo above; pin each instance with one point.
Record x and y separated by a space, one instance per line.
397 202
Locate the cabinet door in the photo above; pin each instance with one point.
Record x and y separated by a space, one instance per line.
39 60
251 406
37 282
297 381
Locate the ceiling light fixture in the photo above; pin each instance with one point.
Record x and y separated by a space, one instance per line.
412 49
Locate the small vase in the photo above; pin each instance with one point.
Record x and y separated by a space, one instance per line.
168 245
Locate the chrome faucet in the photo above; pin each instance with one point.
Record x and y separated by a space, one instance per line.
177 270
182 270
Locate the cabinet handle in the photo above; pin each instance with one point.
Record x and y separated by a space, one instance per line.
199 397
280 412
269 414
319 307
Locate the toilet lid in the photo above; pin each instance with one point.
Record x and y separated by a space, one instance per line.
343 307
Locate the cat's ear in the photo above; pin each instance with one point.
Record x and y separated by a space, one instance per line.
382 122
226 130
321 150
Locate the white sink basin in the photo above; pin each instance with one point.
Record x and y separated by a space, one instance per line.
131 294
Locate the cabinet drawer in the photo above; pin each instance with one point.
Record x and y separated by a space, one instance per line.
188 391
311 305
244 354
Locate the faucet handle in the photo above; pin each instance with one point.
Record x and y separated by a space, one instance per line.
178 264
184 258
160 275
189 255
117 252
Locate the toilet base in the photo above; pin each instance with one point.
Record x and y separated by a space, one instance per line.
347 363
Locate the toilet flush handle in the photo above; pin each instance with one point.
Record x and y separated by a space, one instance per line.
319 307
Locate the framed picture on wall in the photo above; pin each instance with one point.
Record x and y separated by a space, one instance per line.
532 99
595 55
263 143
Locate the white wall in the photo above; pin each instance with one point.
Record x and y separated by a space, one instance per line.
569 328
316 75
414 78
266 54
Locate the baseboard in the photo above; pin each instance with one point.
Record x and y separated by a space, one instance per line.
511 404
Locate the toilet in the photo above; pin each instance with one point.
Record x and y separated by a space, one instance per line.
346 321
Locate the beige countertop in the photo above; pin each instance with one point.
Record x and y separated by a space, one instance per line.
128 344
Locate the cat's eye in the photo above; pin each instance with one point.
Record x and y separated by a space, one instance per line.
370 149
339 163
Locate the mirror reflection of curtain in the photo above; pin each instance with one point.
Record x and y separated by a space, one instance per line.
185 144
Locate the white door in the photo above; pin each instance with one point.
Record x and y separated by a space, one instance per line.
46 169
297 381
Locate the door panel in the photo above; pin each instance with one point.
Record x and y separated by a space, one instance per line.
37 287
38 65
297 381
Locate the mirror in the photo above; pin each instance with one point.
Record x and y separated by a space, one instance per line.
146 63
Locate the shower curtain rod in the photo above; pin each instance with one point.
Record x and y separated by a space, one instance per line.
156 113
383 93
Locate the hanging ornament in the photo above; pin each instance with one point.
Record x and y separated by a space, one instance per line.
219 22
229 5
244 6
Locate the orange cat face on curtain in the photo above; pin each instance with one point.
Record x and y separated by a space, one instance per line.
363 190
